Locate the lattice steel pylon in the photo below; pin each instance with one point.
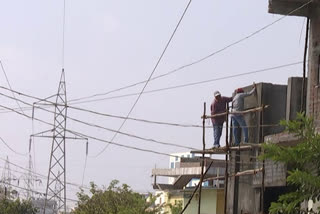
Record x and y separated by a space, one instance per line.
57 165
6 178
30 179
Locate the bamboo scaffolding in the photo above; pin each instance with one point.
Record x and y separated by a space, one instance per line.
203 162
227 164
225 149
236 112
238 174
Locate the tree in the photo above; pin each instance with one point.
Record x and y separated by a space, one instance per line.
16 207
114 200
177 208
303 162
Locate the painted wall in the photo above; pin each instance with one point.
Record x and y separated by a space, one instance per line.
211 201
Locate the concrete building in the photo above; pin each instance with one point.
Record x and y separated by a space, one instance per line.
185 173
245 193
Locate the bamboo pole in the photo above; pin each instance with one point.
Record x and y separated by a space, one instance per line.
235 112
238 174
263 169
227 166
204 147
195 190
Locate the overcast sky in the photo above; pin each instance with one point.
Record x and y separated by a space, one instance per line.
114 43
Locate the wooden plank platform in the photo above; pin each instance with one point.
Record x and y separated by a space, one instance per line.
223 150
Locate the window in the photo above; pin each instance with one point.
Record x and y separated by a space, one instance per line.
177 158
172 165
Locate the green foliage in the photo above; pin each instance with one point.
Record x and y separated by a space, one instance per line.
177 208
303 160
114 200
16 207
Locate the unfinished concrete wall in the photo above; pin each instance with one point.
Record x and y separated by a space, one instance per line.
262 123
294 97
244 193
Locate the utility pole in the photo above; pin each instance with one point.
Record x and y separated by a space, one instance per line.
310 9
57 165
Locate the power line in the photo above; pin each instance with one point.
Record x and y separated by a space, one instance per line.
121 145
158 122
91 137
193 83
196 61
122 117
150 76
37 192
137 119
162 89
130 135
41 175
108 129
63 32
14 151
7 79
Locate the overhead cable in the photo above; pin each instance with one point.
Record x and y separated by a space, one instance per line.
146 83
191 84
130 135
199 60
108 129
7 79
167 88
121 145
14 151
38 174
91 137
36 192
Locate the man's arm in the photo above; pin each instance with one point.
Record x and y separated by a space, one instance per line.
246 94
212 108
228 99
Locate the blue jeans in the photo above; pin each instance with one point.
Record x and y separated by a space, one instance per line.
217 131
238 123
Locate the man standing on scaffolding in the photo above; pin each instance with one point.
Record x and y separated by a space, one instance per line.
218 106
237 119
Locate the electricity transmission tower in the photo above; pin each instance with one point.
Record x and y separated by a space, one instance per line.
57 165
56 181
30 179
6 178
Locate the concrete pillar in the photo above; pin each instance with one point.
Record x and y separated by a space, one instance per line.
313 104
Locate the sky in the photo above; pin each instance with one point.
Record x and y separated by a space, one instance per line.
112 44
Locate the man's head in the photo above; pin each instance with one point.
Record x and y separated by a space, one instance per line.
217 94
239 90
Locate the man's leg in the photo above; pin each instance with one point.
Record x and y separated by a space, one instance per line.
244 127
216 135
235 125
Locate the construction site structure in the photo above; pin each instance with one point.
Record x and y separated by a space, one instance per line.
252 184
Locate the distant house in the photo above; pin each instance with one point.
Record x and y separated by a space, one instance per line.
184 173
